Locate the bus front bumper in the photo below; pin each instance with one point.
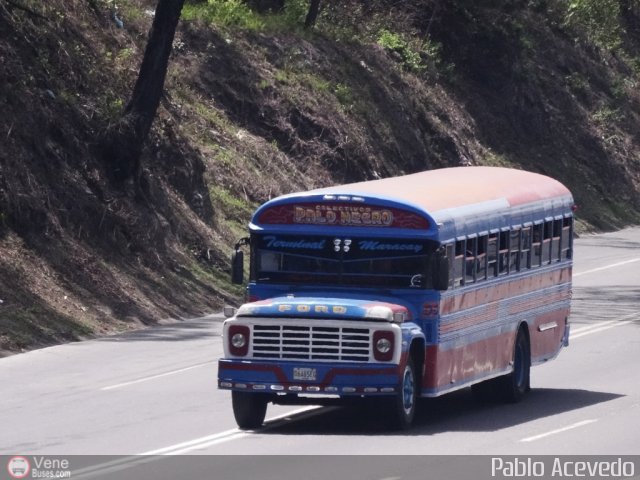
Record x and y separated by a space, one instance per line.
308 378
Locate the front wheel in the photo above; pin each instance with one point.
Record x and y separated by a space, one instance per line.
404 404
249 409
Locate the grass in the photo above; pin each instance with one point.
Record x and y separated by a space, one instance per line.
237 14
493 159
218 279
233 206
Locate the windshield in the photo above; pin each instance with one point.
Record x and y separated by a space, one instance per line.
344 260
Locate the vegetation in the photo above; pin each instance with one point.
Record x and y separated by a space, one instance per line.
260 101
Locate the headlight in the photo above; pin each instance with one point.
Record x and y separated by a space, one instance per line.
238 336
238 340
383 345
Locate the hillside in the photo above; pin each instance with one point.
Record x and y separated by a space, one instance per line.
256 106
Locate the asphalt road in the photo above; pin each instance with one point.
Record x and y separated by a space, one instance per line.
154 392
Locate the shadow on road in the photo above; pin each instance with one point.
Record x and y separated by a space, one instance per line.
174 332
602 303
456 412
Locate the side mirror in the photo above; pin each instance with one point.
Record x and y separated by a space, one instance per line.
237 262
440 271
237 267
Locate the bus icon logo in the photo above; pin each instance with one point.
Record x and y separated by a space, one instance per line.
18 467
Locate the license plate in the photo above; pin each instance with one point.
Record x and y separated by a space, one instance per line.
308 374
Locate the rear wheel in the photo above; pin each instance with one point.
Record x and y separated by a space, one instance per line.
249 409
513 386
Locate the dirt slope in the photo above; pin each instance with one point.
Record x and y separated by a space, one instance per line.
251 113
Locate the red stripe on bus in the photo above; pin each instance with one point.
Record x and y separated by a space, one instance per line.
509 289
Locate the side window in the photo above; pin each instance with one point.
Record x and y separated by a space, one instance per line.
451 256
525 249
492 255
481 264
565 242
514 250
470 260
555 241
458 264
503 253
536 246
546 242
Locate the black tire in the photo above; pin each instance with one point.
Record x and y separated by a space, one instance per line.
404 404
249 409
515 385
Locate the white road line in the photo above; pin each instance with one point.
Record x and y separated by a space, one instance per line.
584 328
234 434
606 267
596 330
153 377
185 447
600 326
559 430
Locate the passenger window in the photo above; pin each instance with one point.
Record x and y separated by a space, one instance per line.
492 255
503 254
546 242
555 241
565 241
481 264
525 248
451 256
536 250
458 264
470 260
514 251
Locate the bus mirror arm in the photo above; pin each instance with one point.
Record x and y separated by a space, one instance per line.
440 270
237 262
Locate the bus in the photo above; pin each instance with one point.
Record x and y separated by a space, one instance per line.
405 287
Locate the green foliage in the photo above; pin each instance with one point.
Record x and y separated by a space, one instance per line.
233 206
408 54
236 13
607 115
345 95
214 117
577 83
598 20
414 54
224 13
494 159
111 106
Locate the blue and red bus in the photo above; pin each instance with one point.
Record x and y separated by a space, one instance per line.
405 287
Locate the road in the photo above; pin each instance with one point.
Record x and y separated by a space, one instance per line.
154 392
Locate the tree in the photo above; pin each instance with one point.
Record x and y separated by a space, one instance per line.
123 142
312 15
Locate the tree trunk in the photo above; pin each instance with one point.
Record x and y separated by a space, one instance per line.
124 142
312 15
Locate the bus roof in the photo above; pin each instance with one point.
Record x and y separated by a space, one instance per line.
447 188
459 199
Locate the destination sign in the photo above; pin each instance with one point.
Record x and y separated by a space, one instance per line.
342 214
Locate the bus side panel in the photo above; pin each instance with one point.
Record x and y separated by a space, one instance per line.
547 334
447 369
477 327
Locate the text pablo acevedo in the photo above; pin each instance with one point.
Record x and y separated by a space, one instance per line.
561 468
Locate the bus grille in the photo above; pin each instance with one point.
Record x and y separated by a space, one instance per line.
293 342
